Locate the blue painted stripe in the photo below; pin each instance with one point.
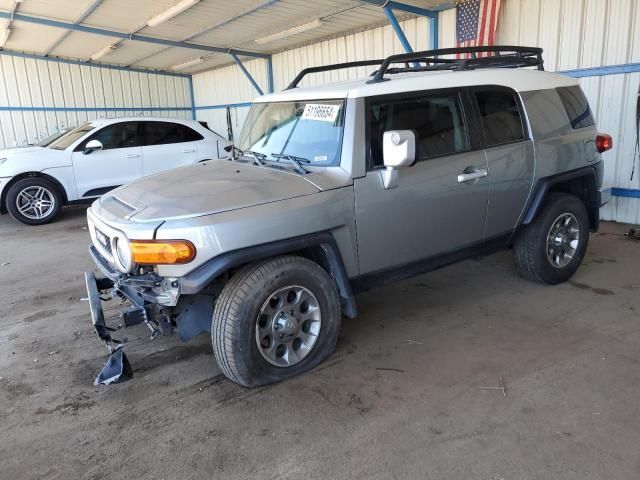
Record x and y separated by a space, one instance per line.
625 192
601 71
224 105
18 17
94 65
94 109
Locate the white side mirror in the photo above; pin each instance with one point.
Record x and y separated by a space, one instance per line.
91 146
398 150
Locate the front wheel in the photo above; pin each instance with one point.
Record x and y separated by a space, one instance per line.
275 319
34 201
551 248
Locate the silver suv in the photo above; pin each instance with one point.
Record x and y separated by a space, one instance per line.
335 189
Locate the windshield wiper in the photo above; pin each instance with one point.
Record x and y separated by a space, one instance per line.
295 161
257 156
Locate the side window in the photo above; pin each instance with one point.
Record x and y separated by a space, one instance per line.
576 106
118 135
162 133
437 121
189 134
501 118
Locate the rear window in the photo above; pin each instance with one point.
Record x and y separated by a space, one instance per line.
576 106
501 119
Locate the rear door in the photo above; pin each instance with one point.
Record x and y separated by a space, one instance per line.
168 145
433 210
118 163
510 155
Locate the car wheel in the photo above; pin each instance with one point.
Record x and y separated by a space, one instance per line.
275 319
34 201
551 248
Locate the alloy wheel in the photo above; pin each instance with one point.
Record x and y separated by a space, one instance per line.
288 326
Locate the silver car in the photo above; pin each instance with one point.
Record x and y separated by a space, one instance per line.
338 188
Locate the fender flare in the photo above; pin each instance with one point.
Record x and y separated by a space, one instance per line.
196 280
544 185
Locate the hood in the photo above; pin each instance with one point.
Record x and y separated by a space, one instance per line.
204 188
12 152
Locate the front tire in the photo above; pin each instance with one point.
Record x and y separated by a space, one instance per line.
551 248
34 201
275 319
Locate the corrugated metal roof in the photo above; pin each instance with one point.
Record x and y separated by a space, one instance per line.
217 23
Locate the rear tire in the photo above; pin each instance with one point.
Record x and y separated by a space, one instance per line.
34 201
551 248
275 319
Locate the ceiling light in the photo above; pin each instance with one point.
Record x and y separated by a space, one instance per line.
290 32
171 12
102 52
190 63
4 36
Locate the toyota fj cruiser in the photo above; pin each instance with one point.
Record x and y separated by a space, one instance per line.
335 189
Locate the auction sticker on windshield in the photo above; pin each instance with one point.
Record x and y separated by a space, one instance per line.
317 111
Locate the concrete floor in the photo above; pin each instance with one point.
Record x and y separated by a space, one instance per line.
400 398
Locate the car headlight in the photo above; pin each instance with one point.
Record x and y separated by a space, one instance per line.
2 160
122 253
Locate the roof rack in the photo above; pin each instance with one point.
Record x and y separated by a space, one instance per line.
495 56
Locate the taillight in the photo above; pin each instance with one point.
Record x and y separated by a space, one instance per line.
604 142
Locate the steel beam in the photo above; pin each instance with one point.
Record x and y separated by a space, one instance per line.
10 53
269 75
434 30
399 33
127 36
192 98
80 19
246 73
402 7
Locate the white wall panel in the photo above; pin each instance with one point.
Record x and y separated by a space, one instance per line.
28 82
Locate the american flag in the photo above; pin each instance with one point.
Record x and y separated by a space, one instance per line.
476 22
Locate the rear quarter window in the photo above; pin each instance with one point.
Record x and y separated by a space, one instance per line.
576 105
501 119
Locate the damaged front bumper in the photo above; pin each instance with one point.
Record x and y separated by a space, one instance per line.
153 301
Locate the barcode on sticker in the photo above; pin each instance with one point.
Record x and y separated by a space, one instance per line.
318 111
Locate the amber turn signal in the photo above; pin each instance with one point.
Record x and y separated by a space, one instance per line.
162 252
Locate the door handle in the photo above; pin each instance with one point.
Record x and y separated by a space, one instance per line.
133 156
471 173
188 151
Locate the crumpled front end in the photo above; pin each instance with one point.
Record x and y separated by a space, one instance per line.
147 298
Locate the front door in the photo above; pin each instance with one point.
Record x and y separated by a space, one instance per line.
440 202
118 163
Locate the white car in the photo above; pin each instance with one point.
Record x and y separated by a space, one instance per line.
90 160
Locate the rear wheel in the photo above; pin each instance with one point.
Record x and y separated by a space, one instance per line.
551 248
275 319
34 201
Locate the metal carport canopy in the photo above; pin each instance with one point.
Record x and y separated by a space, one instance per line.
219 31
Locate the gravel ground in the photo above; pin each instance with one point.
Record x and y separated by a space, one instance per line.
400 398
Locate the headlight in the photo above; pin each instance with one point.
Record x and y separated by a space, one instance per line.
162 252
2 160
122 254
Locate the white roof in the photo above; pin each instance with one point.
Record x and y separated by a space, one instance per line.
520 79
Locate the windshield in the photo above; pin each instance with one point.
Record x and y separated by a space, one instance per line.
51 138
70 138
310 130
